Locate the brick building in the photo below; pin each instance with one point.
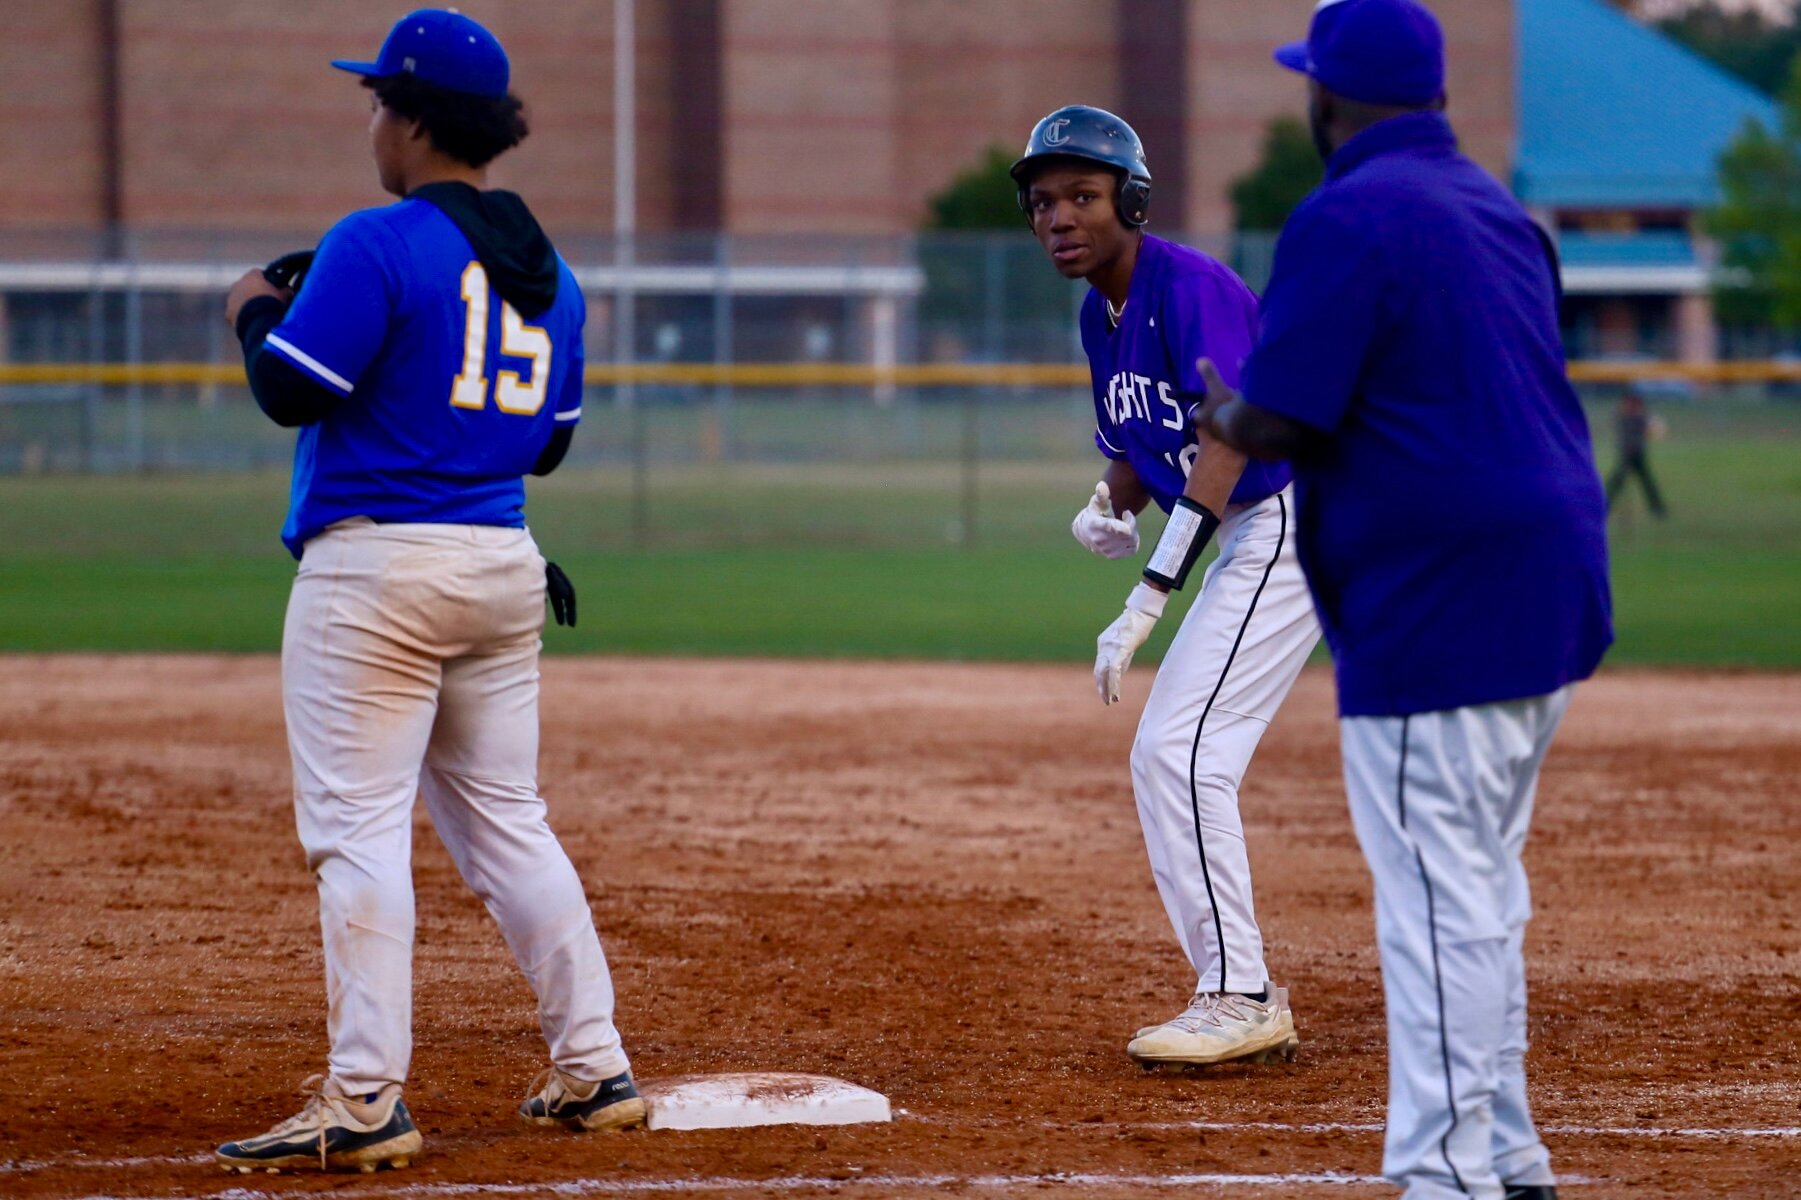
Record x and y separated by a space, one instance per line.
754 116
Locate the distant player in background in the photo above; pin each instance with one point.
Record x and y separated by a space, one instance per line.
1635 429
1410 365
1156 308
431 358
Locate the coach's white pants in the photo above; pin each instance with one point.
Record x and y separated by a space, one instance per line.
1240 648
410 646
1441 802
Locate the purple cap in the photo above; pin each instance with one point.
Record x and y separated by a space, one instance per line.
440 47
1375 51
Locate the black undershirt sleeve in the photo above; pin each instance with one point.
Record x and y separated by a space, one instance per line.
289 396
554 450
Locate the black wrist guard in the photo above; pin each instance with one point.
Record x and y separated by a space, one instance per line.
1189 530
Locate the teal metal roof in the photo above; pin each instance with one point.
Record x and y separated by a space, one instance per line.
1616 115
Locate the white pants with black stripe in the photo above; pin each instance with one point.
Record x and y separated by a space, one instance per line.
1442 802
1239 650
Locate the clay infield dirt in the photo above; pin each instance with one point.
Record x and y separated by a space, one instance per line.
926 879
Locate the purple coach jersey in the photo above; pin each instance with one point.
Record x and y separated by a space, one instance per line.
1453 532
1182 306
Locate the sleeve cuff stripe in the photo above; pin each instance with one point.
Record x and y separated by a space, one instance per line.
574 414
302 358
1105 442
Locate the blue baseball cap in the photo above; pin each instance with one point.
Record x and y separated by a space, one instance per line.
1375 51
441 47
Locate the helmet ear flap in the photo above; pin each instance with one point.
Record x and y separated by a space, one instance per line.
1024 202
1133 201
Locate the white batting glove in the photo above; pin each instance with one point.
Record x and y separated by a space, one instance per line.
1097 528
1120 641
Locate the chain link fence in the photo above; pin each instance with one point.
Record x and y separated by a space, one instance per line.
121 364
799 367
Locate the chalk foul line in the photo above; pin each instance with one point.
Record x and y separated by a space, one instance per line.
796 1183
1555 1130
600 1187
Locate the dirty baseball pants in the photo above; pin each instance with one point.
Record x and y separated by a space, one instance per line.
1238 652
410 666
1441 802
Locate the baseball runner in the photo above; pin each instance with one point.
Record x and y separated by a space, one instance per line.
1453 533
431 358
1154 309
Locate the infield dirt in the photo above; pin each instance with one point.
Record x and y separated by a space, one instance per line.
926 879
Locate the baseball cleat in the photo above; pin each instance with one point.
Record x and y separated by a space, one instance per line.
1220 1027
1282 993
332 1133
1531 1191
559 1099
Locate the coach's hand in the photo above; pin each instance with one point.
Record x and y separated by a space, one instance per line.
1120 641
1219 394
1099 529
561 594
251 285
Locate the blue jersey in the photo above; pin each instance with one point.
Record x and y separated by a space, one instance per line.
1453 532
1182 307
449 393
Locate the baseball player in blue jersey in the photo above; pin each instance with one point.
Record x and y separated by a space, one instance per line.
431 358
1155 308
1453 533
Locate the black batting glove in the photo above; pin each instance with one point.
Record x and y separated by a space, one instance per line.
561 594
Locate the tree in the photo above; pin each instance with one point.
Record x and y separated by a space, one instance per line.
1758 222
1291 167
988 294
1744 41
980 197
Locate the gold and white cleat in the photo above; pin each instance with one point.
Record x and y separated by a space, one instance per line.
332 1133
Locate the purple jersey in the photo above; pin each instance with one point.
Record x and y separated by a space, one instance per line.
1454 531
1182 306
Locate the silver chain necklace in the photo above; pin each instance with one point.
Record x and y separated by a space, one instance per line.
1114 314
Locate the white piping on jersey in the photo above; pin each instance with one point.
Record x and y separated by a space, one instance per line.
310 363
1103 436
574 414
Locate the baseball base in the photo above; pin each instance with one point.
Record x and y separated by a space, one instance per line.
736 1101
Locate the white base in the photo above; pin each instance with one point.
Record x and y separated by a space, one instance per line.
736 1101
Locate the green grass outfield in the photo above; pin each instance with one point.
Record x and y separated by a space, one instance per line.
864 562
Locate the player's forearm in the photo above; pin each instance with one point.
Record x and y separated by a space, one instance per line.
1216 471
1205 495
1128 493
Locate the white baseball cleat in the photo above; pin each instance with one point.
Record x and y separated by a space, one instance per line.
1281 995
1220 1027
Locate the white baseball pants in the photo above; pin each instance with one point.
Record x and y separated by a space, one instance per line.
1241 647
1441 802
410 647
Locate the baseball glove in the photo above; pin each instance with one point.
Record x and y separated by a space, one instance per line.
289 271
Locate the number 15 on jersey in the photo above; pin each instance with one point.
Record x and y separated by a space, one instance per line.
517 340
